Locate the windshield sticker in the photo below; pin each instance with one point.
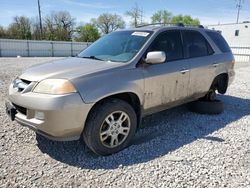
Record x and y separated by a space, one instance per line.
142 34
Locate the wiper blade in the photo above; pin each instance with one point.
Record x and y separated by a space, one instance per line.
92 57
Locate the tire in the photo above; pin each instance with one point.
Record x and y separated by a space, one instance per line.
103 122
210 96
206 107
222 85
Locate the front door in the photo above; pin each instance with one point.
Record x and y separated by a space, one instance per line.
166 84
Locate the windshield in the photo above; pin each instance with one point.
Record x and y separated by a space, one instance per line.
119 46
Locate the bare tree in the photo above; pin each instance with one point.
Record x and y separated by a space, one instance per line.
65 25
108 22
59 26
35 29
20 28
136 16
49 28
3 32
162 16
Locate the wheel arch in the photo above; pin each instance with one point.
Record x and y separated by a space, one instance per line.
220 83
129 97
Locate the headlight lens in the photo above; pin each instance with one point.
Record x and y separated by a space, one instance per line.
55 87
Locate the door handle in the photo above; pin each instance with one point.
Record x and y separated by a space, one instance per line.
184 71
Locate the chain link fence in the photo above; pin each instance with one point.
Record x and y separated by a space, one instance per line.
241 54
34 48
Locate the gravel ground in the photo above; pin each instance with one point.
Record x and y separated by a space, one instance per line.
174 148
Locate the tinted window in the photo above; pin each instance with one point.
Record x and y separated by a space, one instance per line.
219 41
169 42
196 45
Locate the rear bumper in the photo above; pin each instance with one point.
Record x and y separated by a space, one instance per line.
57 117
231 77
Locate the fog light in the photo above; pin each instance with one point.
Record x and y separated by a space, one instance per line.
39 115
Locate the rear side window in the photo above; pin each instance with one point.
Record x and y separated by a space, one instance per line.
219 41
196 45
169 42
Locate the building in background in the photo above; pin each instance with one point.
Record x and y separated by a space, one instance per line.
238 38
235 34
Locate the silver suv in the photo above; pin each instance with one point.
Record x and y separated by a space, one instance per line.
102 94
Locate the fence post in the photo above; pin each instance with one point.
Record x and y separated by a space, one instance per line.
71 49
52 49
0 48
28 48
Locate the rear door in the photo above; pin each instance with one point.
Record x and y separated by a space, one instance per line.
198 52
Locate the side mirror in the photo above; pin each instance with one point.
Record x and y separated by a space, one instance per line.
156 57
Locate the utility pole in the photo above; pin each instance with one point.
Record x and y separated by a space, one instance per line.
40 18
141 12
239 7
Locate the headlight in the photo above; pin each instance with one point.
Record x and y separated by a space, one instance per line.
55 87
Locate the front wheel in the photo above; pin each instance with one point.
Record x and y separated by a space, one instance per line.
110 127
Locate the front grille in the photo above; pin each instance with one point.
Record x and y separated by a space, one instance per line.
21 109
26 81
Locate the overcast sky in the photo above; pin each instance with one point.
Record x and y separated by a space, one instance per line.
208 11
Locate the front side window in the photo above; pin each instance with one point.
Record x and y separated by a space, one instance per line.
196 45
119 46
169 42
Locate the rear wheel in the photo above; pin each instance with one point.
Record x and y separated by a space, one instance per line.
210 96
220 83
110 127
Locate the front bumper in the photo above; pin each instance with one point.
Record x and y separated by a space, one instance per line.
63 116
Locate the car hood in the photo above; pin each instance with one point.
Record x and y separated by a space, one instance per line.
68 68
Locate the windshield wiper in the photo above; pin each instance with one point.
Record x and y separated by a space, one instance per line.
92 57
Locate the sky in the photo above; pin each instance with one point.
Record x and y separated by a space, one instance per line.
208 11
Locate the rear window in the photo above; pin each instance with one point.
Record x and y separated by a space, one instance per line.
219 41
196 45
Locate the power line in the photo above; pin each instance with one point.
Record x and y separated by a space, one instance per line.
239 7
40 18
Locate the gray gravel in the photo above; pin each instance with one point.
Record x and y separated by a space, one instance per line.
174 148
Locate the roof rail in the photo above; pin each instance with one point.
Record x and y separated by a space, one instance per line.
169 24
156 24
180 24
